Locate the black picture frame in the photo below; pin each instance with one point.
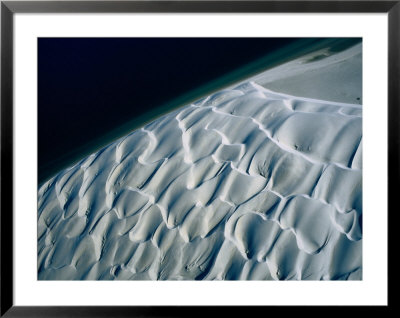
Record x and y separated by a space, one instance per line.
8 8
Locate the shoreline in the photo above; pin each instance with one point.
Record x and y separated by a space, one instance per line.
279 57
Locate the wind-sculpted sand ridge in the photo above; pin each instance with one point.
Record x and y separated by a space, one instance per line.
244 184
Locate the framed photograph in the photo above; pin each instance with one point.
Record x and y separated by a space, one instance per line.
162 155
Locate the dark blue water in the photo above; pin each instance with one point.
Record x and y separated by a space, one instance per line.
88 87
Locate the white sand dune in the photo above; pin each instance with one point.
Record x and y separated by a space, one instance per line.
322 74
245 184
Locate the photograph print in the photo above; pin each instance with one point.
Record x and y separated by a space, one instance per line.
199 159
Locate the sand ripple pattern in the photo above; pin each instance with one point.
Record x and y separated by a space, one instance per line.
246 184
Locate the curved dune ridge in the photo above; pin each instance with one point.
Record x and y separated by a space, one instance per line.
245 184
